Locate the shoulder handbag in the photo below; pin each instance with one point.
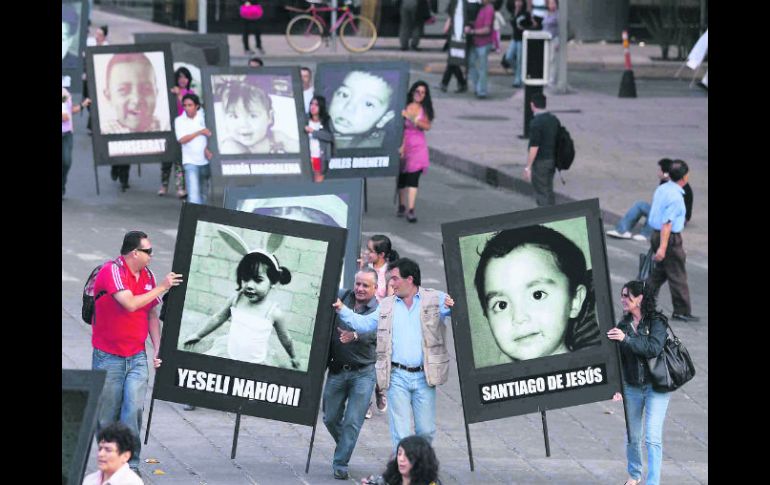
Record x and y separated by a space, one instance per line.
251 12
646 265
673 367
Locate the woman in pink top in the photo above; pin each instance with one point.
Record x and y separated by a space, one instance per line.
414 150
183 79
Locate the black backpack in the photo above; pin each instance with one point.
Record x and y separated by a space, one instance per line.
89 299
565 149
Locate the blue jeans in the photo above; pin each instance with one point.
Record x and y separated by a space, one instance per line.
196 180
637 211
639 401
477 68
410 395
344 421
513 56
124 391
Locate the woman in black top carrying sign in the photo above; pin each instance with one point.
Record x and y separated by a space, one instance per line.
641 335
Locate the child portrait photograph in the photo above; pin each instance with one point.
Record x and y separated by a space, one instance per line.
257 125
364 102
247 293
131 92
255 114
533 302
251 315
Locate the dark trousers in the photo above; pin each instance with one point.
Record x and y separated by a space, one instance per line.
672 269
66 157
120 172
457 72
410 27
542 181
251 27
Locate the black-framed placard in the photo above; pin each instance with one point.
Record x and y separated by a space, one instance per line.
134 110
74 32
257 290
192 51
335 203
533 307
81 391
258 129
364 100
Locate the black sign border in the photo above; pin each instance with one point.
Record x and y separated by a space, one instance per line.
607 353
101 154
218 181
75 73
91 382
392 151
200 41
309 383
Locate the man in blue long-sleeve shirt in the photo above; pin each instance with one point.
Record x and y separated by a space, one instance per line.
412 356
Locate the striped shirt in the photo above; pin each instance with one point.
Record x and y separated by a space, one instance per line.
116 330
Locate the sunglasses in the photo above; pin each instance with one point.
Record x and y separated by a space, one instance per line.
147 251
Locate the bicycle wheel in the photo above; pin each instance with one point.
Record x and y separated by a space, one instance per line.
358 34
304 33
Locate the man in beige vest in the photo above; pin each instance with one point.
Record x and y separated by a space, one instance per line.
412 357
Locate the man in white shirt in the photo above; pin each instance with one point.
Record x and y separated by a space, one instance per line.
191 132
116 446
307 87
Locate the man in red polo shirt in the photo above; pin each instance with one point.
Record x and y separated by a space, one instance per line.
125 314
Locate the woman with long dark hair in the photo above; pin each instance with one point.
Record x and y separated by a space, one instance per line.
641 335
320 137
415 464
414 150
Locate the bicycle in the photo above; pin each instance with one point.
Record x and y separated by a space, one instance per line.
306 32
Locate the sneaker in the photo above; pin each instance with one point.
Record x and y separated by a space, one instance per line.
442 87
369 413
189 407
617 235
401 211
162 191
462 89
685 317
410 216
639 237
341 475
382 400
181 194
